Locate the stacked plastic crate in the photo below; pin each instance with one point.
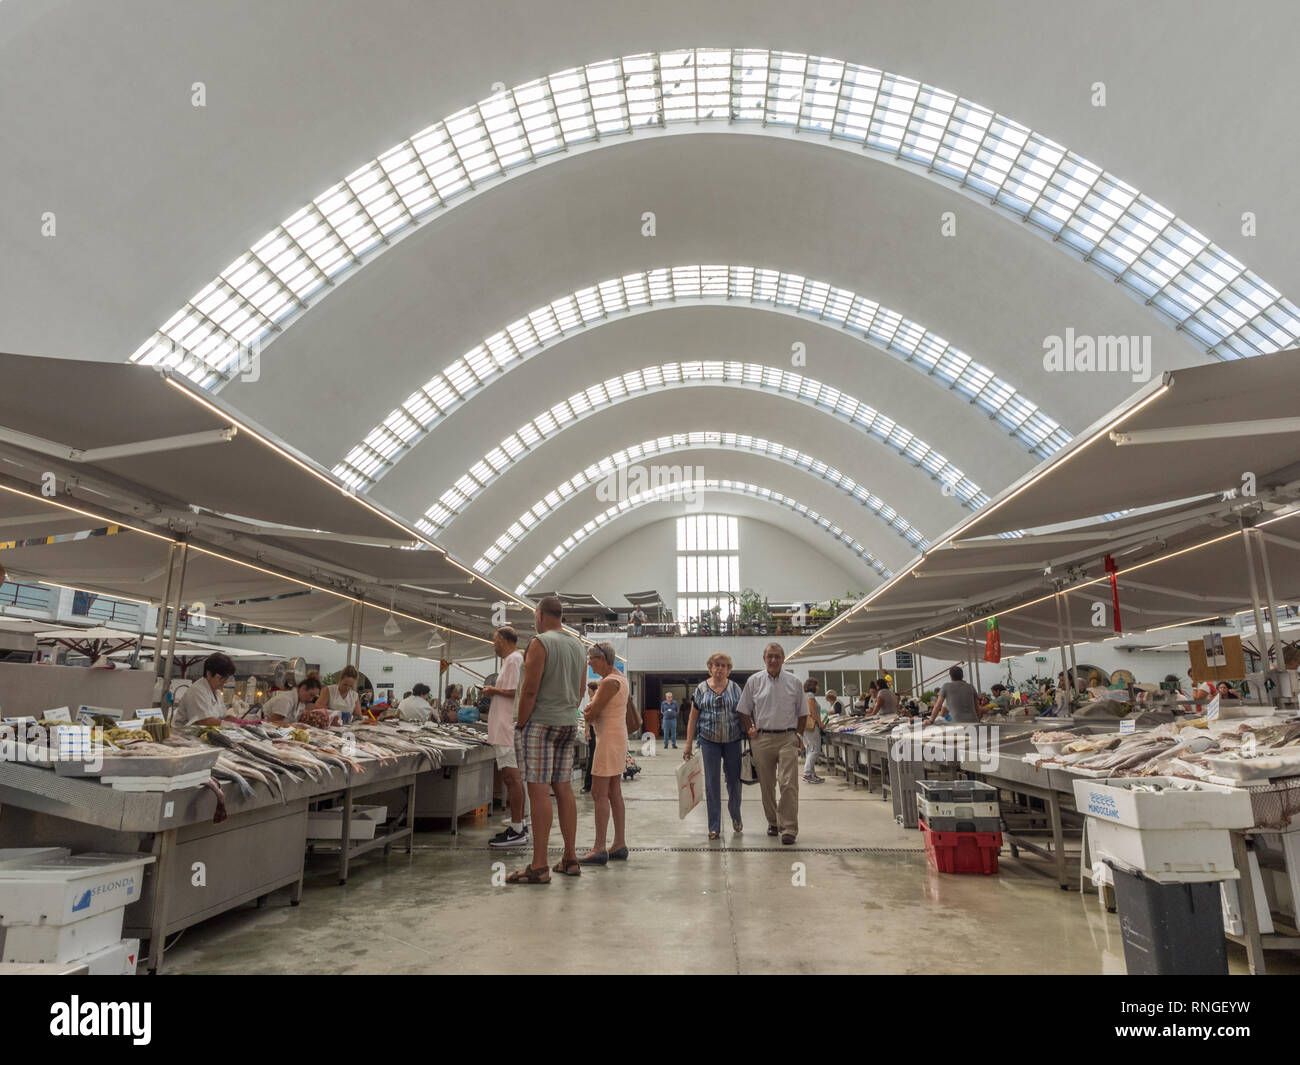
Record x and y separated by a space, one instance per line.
961 825
57 908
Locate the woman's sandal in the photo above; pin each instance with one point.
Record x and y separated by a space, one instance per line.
619 855
715 835
599 858
567 866
529 875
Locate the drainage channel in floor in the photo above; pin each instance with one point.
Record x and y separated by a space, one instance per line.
702 850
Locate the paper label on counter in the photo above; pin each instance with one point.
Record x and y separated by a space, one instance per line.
59 713
86 714
149 713
1127 726
1212 710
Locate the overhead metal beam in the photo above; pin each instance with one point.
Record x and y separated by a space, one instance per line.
104 454
1215 431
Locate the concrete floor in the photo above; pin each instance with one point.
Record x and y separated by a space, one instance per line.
680 904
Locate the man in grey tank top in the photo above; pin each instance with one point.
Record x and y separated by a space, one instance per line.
959 699
555 672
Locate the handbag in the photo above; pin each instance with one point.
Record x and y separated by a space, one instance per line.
748 770
633 717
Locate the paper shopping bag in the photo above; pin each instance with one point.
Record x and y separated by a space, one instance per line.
690 784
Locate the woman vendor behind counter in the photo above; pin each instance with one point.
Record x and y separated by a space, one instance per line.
284 707
341 698
201 705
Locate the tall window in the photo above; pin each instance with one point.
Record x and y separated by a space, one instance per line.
708 566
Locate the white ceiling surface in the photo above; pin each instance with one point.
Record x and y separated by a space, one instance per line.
828 501
919 499
334 83
995 290
154 197
609 540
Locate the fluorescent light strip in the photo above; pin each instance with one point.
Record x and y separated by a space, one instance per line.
1085 584
87 591
330 591
1052 465
87 514
325 479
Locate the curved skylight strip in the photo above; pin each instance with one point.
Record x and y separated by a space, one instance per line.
1160 259
911 343
748 375
704 440
570 542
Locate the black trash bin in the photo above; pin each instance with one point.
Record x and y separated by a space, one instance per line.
1170 928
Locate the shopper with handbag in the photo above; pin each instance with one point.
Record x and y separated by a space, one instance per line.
714 720
812 734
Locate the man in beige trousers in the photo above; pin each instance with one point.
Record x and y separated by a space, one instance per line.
773 713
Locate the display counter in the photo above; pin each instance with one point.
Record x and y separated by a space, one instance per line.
202 869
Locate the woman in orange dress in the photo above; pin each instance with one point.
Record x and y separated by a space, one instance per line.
607 714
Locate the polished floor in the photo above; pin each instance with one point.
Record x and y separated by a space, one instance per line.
854 895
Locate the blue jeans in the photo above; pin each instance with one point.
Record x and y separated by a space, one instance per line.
727 757
670 730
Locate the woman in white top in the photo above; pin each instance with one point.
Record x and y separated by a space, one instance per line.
201 705
341 698
284 707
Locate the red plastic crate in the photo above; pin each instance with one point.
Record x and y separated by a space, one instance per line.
962 852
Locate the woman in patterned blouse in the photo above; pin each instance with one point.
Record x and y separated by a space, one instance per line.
714 719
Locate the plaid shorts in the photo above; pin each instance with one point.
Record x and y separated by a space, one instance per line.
545 752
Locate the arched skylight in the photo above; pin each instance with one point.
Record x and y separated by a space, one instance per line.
1124 234
620 460
745 375
655 495
864 319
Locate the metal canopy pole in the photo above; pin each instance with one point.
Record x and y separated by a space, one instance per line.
1254 597
176 616
972 649
162 620
361 619
1284 677
1065 666
918 672
1069 635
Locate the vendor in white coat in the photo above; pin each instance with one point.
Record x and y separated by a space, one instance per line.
416 707
284 707
202 705
341 698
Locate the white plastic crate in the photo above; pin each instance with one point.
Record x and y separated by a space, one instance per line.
119 959
1206 806
1167 856
70 888
61 942
965 811
20 856
328 824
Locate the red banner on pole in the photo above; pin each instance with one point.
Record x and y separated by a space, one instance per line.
992 641
1112 570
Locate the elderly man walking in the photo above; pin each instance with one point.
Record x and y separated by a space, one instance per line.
773 714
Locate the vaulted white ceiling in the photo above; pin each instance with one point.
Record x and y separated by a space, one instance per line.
154 197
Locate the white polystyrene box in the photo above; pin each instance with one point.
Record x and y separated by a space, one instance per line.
70 888
61 942
1186 855
1207 806
119 959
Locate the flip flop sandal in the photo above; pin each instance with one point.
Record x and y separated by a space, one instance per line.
569 867
529 875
